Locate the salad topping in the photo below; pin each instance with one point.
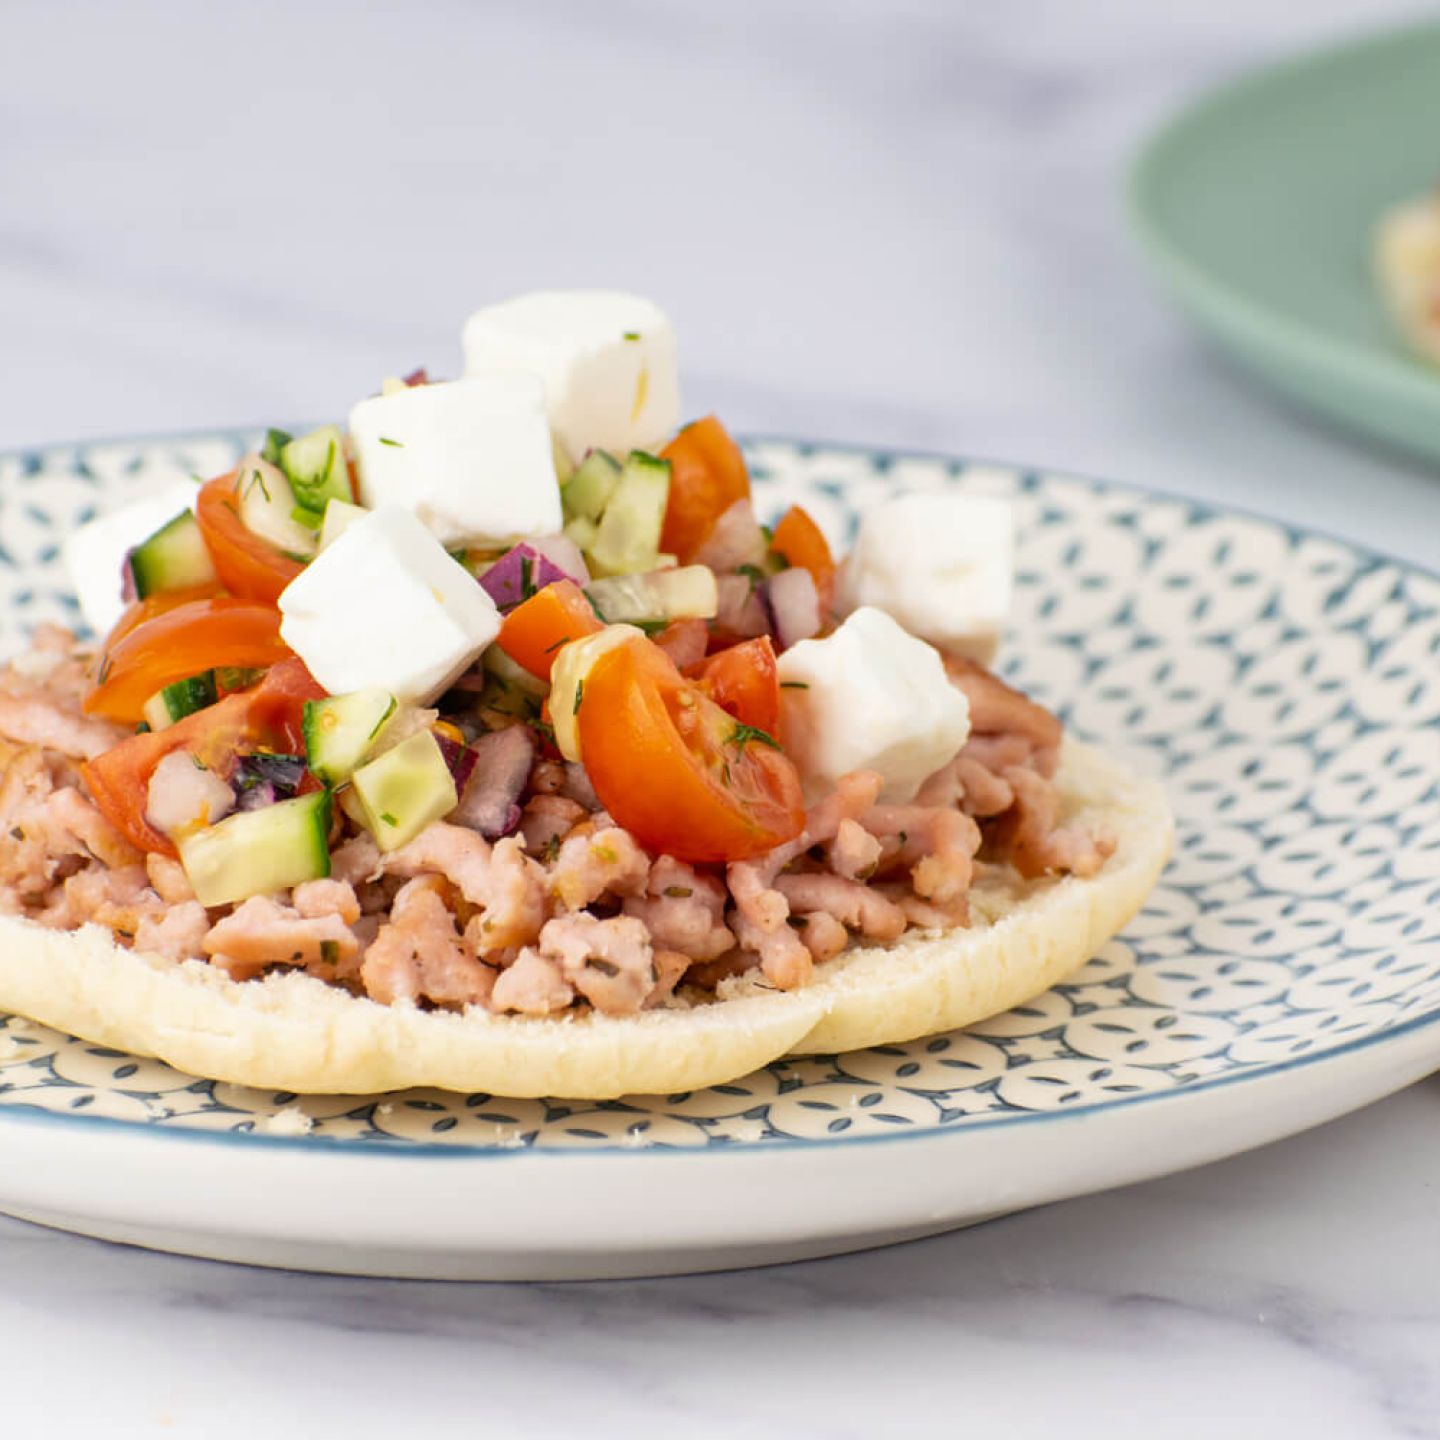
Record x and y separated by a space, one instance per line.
504 696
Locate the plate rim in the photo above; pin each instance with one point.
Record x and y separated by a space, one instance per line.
1193 283
394 1147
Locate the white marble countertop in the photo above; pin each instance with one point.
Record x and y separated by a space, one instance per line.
895 223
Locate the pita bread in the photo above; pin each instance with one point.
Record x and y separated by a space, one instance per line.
294 1032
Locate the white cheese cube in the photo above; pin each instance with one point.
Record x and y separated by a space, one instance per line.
869 697
607 360
941 564
385 606
472 458
95 552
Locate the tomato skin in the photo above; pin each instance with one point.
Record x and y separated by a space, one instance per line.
533 632
707 476
743 682
248 566
268 716
703 795
137 612
182 641
802 542
685 641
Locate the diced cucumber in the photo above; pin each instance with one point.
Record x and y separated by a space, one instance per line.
256 852
589 489
341 731
182 698
510 673
573 662
172 558
581 531
674 594
404 790
629 535
340 515
275 442
267 508
315 466
230 678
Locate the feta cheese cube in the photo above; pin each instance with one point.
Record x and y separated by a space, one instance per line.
472 458
95 553
870 696
941 564
607 360
383 605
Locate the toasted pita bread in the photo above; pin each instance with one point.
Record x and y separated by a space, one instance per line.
294 1032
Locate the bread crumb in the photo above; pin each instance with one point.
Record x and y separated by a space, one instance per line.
292 1120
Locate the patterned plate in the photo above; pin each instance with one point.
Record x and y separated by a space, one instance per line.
1287 686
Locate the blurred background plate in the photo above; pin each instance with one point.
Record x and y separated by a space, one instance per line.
1257 207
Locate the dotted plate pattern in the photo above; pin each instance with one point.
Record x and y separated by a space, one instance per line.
1285 685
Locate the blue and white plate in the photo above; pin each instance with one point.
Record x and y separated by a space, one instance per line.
1286 686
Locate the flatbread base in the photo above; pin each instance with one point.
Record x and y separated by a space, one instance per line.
294 1032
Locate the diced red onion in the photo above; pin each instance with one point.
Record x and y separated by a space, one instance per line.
736 540
260 780
794 605
416 377
741 612
518 574
561 550
490 798
685 642
460 758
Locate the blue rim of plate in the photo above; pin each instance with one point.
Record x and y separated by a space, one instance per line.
396 1148
1174 264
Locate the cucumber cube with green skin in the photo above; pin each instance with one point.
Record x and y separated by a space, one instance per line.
404 790
275 442
581 531
256 852
341 731
587 491
180 699
339 516
628 538
173 558
315 466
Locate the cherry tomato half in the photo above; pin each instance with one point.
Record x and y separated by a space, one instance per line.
743 682
683 776
268 717
249 566
533 632
185 640
707 476
801 541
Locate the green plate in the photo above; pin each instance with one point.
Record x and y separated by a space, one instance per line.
1257 206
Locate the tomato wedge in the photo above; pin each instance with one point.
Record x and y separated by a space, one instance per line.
185 640
249 566
685 778
266 717
802 542
707 476
137 612
533 632
743 682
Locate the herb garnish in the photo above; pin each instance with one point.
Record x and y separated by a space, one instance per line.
632 334
527 583
386 440
388 818
579 696
794 684
753 573
563 640
742 735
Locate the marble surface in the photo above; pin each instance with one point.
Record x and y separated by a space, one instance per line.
893 223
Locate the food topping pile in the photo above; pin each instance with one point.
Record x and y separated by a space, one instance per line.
504 696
